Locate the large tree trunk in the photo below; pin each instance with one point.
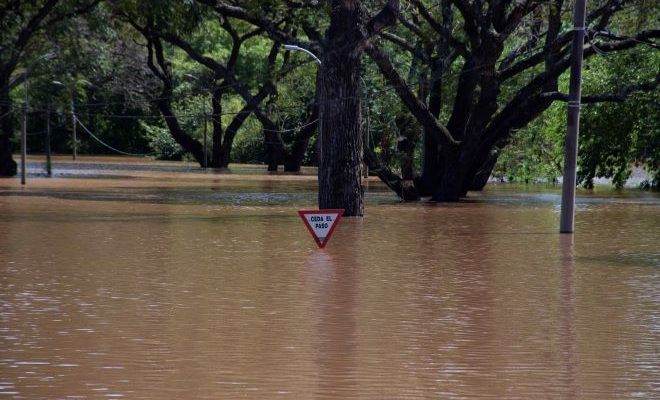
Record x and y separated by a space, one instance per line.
340 151
8 166
450 184
430 146
340 182
481 177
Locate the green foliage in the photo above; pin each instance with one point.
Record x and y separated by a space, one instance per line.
163 146
613 136
616 135
101 61
536 152
249 147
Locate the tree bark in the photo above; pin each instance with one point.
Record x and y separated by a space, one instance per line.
217 146
8 166
340 151
340 144
483 174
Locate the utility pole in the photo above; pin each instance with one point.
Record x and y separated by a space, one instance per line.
205 140
49 170
73 126
24 128
567 219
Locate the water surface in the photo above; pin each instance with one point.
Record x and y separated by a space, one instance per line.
168 284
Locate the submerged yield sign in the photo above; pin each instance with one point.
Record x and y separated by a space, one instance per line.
321 223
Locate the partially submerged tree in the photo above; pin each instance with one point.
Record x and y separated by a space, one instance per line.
508 56
223 77
162 25
476 72
340 49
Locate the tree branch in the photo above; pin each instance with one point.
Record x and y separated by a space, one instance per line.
192 52
623 43
614 36
267 25
416 107
405 45
236 42
386 17
440 29
617 97
470 20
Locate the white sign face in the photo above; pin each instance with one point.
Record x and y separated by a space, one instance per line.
321 223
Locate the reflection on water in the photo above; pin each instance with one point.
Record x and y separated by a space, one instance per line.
568 344
169 285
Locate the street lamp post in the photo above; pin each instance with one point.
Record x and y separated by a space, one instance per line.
318 61
298 48
319 141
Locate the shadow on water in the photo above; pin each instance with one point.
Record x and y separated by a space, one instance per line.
334 286
173 196
334 278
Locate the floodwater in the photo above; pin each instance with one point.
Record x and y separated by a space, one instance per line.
159 281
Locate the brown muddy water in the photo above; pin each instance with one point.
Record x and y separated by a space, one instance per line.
159 281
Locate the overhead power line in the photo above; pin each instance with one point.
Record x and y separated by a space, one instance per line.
105 144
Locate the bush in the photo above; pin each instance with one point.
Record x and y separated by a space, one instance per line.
162 144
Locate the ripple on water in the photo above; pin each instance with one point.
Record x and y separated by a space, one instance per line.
189 288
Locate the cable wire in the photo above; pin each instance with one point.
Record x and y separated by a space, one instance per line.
105 144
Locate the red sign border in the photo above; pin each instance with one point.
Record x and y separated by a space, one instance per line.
338 211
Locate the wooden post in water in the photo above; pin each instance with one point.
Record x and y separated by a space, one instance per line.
567 220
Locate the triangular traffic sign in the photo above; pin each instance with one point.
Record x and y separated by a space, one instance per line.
321 223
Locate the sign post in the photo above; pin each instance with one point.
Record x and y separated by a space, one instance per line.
321 223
